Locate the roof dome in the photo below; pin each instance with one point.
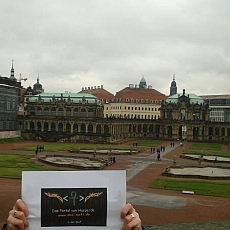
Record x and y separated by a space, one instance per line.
143 80
142 83
37 85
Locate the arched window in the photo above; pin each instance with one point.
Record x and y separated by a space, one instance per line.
75 128
106 129
53 111
139 128
90 128
91 112
83 128
53 127
98 129
46 127
145 128
60 112
75 112
83 113
32 125
68 127
39 126
46 111
68 112
39 111
60 127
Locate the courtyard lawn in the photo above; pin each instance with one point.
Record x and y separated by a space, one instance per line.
11 166
10 140
219 154
206 146
198 187
55 147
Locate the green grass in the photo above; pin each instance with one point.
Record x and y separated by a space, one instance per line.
11 165
199 187
10 140
206 146
219 154
55 147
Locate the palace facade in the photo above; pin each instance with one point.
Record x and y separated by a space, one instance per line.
79 117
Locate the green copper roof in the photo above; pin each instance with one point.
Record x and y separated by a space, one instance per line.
74 97
193 98
143 80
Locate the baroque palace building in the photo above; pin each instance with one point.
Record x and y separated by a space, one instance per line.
187 116
53 116
137 111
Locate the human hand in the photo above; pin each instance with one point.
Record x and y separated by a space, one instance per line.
131 219
17 216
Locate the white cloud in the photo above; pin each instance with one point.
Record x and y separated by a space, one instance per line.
74 44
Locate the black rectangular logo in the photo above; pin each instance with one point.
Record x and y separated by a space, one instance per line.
73 207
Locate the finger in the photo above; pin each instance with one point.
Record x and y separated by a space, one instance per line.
126 210
20 206
18 215
131 217
15 223
134 224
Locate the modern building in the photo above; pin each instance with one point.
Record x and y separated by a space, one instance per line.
219 107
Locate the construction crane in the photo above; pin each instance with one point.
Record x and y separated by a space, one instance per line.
22 79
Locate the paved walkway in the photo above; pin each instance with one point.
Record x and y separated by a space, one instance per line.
194 226
142 198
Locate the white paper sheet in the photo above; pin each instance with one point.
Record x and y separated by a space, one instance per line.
74 199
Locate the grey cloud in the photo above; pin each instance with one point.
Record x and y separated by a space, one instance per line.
114 43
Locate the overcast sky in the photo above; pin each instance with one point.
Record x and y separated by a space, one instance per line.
79 43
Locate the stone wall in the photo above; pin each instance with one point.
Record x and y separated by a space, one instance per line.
10 134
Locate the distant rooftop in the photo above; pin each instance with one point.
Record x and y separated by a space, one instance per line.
193 98
74 97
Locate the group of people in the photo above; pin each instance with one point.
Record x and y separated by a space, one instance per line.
39 148
17 218
159 150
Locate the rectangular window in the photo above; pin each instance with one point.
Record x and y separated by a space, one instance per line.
2 103
8 105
